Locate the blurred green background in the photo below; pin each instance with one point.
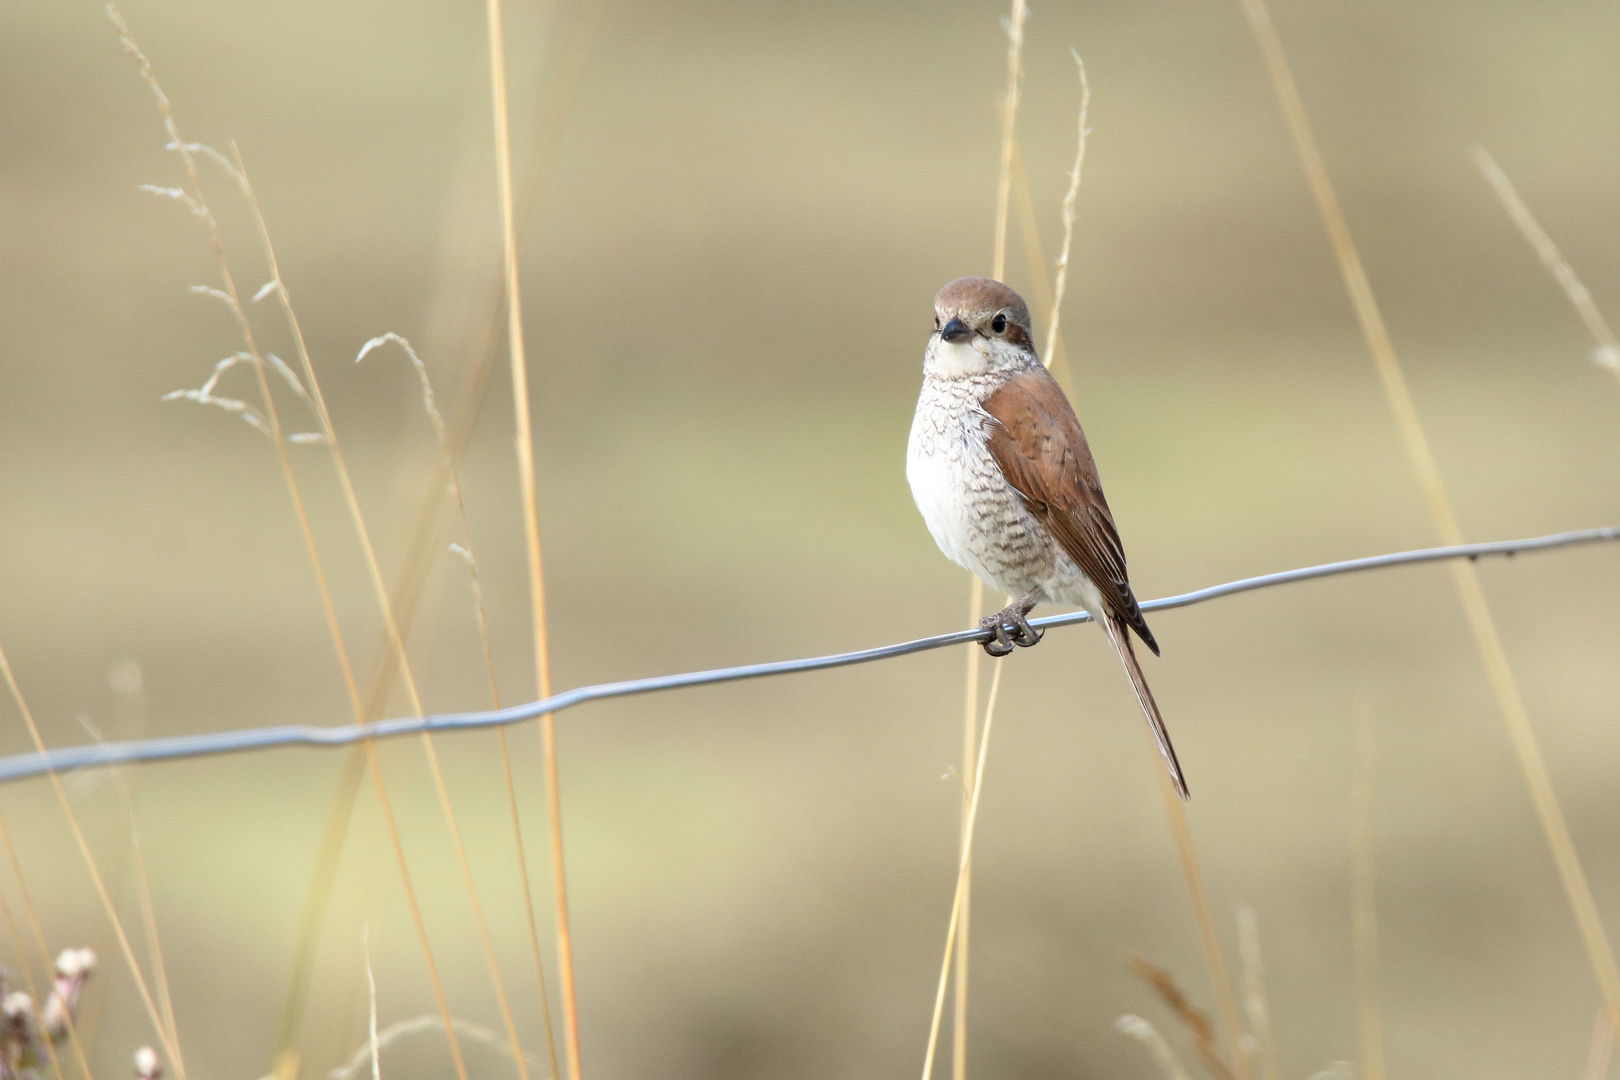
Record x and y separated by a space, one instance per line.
726 294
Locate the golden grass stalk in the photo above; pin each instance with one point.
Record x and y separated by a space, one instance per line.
465 551
170 1047
531 525
143 884
1062 280
371 1006
143 896
198 204
970 696
478 913
1205 1042
1009 129
317 401
1492 653
970 739
154 945
1035 263
1254 992
1601 1048
1177 814
1608 348
1225 999
423 546
313 396
959 903
1363 912
45 954
416 910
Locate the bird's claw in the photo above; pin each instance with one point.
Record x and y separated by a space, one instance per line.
1011 629
1023 634
1001 644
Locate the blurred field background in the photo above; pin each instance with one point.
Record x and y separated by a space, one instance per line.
727 295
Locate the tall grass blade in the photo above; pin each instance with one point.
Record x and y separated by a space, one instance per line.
953 927
170 1048
1193 877
1254 993
45 953
961 916
188 155
1608 347
531 525
1363 909
1492 653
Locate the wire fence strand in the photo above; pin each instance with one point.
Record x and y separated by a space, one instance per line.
65 759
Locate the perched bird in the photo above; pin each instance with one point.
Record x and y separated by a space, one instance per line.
1001 471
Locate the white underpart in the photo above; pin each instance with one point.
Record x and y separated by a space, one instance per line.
973 514
956 360
936 485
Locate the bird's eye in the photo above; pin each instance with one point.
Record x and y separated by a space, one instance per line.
999 323
936 322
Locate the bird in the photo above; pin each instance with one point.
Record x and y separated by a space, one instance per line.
1000 470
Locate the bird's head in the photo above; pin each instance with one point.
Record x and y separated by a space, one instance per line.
980 326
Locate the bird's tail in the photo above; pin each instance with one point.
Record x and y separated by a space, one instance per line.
1119 636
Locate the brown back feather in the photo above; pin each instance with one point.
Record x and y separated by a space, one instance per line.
1042 452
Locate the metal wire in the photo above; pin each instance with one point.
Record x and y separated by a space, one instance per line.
21 766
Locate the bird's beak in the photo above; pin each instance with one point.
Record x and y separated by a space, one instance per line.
955 331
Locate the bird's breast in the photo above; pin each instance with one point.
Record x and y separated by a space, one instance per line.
974 515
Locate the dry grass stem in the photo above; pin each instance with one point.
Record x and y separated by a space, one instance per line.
1225 999
961 915
371 1008
952 930
143 888
317 401
531 525
380 1040
1061 280
1009 118
380 589
465 552
22 962
1029 235
170 1047
154 946
1056 358
312 911
416 910
528 905
1363 911
1600 1050
188 154
1192 1018
204 395
1492 653
963 904
1146 1034
479 922
1607 353
970 739
422 549
1254 992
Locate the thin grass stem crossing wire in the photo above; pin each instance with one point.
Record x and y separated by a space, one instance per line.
1398 395
65 759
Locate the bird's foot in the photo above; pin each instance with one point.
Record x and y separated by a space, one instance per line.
1011 628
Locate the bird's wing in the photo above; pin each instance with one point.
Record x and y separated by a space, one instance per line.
1037 442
